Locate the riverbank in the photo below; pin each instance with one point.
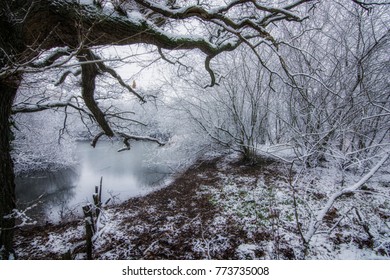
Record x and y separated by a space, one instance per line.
221 208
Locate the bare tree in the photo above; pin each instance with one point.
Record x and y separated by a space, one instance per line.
235 115
337 108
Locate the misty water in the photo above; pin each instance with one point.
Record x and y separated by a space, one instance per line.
62 193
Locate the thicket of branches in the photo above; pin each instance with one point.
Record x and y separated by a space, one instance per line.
323 91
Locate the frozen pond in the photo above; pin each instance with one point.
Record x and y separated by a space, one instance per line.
64 192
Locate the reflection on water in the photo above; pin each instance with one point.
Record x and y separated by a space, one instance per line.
65 191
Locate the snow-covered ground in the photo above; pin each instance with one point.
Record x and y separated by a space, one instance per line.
223 209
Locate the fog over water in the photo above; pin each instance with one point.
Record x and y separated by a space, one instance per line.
62 192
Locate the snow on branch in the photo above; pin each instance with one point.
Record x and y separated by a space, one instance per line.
316 222
38 107
368 4
219 13
85 24
66 74
50 58
22 217
115 75
126 137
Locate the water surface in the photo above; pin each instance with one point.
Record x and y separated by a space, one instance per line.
62 193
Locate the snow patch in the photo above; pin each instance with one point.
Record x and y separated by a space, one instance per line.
247 251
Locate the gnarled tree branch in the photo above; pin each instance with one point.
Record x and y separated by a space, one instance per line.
89 72
127 137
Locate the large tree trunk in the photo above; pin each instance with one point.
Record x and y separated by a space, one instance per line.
11 49
8 90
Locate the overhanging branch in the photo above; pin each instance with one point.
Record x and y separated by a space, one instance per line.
127 137
38 107
89 72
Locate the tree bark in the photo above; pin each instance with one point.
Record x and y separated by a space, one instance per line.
69 23
8 90
11 48
89 72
